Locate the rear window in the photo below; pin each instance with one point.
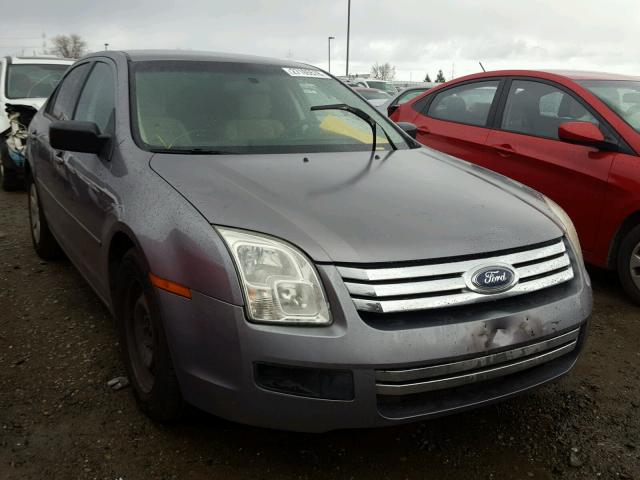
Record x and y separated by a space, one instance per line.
468 103
33 80
405 97
373 95
381 85
244 108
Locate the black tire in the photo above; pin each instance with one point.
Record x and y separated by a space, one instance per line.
144 343
44 243
629 264
9 179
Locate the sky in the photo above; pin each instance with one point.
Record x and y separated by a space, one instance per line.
415 36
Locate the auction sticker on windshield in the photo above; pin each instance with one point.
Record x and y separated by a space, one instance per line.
305 72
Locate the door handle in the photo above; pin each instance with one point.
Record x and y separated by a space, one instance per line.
58 158
504 149
424 130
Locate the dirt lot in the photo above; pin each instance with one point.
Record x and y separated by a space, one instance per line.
59 419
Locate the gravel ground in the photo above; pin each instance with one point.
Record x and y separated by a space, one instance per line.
58 418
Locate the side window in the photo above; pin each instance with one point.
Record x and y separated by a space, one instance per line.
469 103
536 108
97 101
409 96
67 94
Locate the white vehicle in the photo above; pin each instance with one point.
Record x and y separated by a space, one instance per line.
377 84
25 84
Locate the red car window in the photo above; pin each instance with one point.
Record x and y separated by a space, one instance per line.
536 108
468 103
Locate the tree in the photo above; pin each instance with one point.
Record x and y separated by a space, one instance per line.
427 78
68 46
383 72
440 77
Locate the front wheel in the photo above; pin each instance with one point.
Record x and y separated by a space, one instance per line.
629 264
144 345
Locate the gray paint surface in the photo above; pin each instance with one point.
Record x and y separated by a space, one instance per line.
339 207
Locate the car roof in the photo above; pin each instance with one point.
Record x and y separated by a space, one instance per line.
569 74
366 89
47 60
192 55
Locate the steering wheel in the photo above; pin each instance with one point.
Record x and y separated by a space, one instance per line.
633 110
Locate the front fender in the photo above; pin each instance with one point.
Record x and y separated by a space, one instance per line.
176 241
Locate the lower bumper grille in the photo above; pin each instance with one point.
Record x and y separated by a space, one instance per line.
456 374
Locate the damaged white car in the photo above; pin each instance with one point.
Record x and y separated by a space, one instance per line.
25 84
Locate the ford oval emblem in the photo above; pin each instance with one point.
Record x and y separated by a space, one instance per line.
492 279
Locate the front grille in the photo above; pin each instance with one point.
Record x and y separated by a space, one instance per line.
457 374
423 286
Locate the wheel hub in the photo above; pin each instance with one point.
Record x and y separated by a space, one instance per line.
634 265
142 337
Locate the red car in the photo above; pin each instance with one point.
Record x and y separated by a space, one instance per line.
574 136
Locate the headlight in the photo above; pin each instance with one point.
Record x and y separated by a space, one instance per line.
567 225
280 284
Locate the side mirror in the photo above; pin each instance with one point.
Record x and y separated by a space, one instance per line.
74 136
391 109
409 128
582 133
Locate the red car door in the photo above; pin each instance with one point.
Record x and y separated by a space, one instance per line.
526 148
454 120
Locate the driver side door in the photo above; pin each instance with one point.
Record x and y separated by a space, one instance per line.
89 197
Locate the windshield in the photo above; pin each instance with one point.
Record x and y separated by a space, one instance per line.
373 94
33 80
380 85
248 108
621 96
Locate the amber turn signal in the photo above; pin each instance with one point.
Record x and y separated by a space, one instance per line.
170 286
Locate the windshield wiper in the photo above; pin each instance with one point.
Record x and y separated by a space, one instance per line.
196 151
373 123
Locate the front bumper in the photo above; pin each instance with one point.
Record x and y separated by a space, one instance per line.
215 351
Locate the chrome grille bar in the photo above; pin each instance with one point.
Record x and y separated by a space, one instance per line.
473 377
376 274
422 373
464 298
423 287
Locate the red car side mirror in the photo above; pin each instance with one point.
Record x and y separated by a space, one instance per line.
583 133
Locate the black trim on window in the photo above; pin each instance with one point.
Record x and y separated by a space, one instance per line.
86 80
608 130
48 109
425 103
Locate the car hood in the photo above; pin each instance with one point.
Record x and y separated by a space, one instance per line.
29 102
349 207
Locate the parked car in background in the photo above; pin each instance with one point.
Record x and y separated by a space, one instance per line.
374 96
279 253
25 83
377 84
574 136
403 96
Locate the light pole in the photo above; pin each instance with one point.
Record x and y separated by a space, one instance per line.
330 38
348 32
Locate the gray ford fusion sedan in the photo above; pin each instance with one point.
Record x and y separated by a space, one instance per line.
278 253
